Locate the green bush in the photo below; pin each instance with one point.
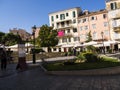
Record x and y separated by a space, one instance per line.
69 53
110 50
91 57
37 50
69 63
81 57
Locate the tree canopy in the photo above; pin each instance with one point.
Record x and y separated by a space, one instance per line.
89 37
9 38
47 36
1 37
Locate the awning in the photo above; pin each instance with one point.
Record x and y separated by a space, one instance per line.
90 43
68 45
78 45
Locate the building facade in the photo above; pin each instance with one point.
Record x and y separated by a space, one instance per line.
73 26
95 23
113 8
65 22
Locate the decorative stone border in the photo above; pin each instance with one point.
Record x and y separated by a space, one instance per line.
102 71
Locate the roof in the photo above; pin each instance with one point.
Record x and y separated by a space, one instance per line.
64 10
93 13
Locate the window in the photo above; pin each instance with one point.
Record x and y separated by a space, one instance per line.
62 24
52 18
67 14
114 23
113 6
64 40
94 35
92 18
94 26
69 39
76 38
54 49
82 36
56 16
67 23
86 27
84 20
81 28
74 21
74 29
68 31
79 21
52 25
106 32
57 25
74 15
105 24
104 16
62 16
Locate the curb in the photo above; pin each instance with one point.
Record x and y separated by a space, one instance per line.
94 72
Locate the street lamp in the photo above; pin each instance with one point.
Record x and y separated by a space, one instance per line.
33 50
27 44
103 42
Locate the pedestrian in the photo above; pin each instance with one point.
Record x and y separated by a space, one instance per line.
74 51
3 58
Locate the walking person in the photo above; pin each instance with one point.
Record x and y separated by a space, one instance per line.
3 59
74 51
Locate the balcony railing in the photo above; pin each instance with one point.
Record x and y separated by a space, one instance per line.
117 28
64 27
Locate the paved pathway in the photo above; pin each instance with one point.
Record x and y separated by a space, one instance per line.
36 79
11 68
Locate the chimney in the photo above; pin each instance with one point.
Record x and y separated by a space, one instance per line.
86 12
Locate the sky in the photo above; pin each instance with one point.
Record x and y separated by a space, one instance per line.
24 14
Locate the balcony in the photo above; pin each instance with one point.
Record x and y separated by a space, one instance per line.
64 26
117 29
68 35
64 20
117 16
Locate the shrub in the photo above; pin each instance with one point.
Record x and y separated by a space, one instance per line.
91 48
110 50
91 57
37 50
81 57
69 53
69 63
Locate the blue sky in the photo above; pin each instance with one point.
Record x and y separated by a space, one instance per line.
26 13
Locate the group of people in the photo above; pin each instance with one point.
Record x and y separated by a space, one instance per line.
3 59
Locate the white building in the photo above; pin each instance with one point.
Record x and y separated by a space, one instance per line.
65 21
113 7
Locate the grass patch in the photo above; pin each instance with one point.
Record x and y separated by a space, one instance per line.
104 63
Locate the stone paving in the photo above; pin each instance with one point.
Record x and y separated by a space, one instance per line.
36 79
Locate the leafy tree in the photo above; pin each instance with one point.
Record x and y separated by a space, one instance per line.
11 39
1 37
89 37
47 37
91 48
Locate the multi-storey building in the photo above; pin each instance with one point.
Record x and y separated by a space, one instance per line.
65 22
113 8
95 23
73 26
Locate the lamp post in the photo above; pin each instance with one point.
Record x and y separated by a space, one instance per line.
27 44
102 34
33 33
